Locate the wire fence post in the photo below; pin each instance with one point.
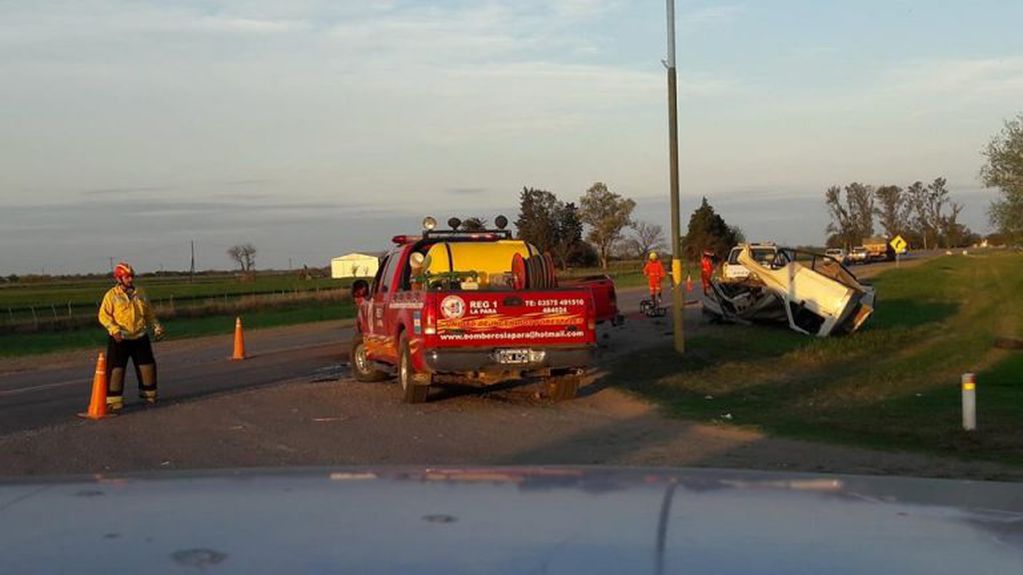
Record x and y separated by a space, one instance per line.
35 318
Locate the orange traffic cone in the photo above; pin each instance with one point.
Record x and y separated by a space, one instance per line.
689 282
98 403
239 341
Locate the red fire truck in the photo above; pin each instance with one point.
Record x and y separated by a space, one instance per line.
478 307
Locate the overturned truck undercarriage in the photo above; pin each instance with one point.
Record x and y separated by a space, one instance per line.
813 293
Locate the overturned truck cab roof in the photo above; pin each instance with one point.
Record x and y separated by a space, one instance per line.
814 293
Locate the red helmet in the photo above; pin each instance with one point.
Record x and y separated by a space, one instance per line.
123 270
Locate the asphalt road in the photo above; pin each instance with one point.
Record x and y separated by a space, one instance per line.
51 389
41 395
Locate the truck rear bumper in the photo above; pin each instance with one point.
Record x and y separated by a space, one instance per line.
485 359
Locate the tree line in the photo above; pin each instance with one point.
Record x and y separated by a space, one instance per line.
556 226
924 215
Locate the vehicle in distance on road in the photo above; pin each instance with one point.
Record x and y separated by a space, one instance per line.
878 249
858 255
476 307
732 270
838 254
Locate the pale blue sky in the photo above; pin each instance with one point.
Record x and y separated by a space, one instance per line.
315 127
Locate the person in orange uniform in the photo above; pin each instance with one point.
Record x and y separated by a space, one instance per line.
654 272
126 314
706 269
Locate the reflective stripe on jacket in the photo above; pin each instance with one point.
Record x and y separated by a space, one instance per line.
654 271
129 314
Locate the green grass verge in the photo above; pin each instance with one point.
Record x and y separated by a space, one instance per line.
895 384
32 344
630 273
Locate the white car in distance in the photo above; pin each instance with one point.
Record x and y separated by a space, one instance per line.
763 253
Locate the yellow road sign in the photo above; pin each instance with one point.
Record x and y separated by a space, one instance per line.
898 244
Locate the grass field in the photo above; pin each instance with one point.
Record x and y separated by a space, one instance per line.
893 385
36 343
90 292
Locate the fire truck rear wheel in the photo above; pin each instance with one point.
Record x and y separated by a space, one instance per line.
412 388
563 387
362 368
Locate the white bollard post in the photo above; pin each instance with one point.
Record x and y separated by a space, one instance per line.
969 382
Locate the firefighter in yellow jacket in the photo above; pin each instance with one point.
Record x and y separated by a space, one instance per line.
126 314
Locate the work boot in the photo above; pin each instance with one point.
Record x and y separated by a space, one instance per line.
115 403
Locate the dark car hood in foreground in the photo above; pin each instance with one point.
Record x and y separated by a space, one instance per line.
510 520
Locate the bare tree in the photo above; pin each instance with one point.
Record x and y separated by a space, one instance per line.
937 199
647 238
841 224
951 230
916 200
244 255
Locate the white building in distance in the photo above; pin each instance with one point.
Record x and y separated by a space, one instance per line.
354 265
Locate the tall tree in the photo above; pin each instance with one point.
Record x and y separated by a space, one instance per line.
568 233
952 231
707 231
892 210
860 203
916 200
937 199
244 255
1004 170
536 223
841 227
607 214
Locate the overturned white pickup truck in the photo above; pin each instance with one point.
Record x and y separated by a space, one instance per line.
814 293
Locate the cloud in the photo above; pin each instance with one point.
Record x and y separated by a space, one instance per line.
959 77
702 18
250 25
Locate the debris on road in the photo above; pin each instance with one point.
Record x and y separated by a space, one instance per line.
813 293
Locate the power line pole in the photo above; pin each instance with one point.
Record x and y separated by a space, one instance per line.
191 269
677 297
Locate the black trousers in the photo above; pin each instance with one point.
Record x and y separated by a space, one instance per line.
139 351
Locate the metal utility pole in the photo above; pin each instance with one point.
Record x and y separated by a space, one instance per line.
191 268
677 297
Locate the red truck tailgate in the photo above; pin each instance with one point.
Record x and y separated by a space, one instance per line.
496 319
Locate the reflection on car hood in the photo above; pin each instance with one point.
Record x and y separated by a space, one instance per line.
509 520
